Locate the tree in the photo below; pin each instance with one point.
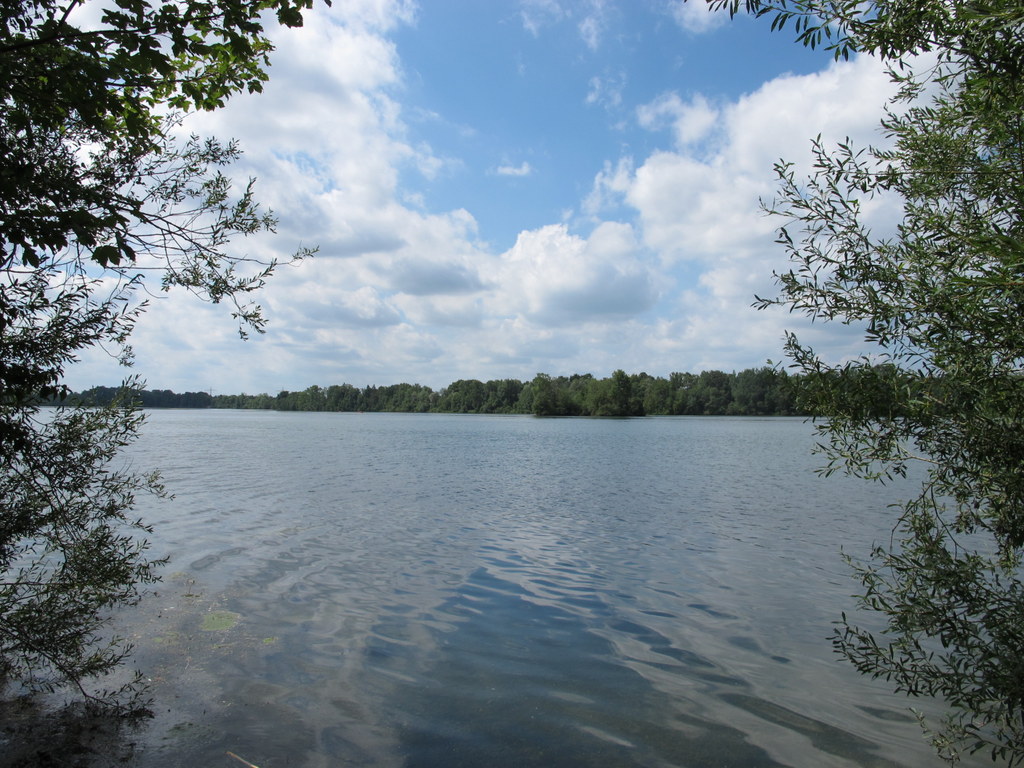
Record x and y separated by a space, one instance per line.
502 395
711 394
658 397
621 400
95 193
463 396
758 392
66 553
941 299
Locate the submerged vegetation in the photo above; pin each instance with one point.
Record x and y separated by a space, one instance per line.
762 391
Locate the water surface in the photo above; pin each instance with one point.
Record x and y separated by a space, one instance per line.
444 590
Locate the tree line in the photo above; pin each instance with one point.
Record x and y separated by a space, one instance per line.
145 398
761 391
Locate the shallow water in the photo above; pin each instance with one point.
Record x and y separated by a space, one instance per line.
443 590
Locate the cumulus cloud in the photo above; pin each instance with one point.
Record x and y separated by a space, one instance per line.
610 186
690 122
421 278
694 205
566 279
655 272
361 308
444 311
698 209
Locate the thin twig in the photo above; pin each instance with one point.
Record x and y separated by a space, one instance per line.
243 761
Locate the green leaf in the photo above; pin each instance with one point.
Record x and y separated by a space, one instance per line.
106 255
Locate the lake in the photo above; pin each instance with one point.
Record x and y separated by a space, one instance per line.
456 590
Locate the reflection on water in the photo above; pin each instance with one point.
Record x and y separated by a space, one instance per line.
550 692
445 590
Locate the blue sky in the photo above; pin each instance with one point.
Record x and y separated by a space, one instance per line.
505 187
553 87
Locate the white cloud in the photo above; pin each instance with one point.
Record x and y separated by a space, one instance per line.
553 277
378 15
590 31
696 16
696 203
536 14
658 273
690 122
610 186
448 311
699 209
593 24
329 307
523 169
592 15
606 91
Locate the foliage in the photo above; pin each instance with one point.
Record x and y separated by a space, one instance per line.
96 192
941 298
83 113
752 392
66 550
146 398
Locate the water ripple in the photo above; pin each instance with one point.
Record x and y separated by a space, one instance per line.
457 591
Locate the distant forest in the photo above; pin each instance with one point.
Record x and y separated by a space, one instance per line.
752 392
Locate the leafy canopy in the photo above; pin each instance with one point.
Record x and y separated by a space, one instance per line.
82 106
940 296
96 193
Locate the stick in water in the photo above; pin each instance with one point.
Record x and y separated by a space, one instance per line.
243 761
